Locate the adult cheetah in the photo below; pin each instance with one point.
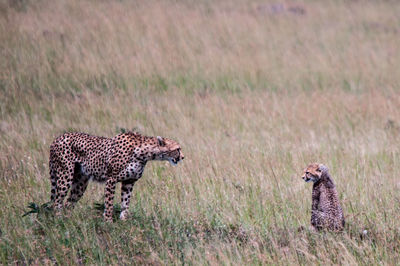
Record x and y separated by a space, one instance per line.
77 157
326 212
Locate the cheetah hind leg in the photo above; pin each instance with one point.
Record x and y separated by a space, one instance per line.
63 185
79 185
54 168
53 181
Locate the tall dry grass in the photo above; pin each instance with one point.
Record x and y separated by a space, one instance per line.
252 90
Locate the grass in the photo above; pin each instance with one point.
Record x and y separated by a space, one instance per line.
253 91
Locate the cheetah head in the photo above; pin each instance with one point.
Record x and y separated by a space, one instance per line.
169 150
314 171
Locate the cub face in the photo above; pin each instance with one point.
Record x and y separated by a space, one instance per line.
313 172
170 150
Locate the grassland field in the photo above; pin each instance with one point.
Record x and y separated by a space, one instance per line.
252 90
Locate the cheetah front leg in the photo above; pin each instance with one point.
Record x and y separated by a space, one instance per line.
126 191
109 199
318 219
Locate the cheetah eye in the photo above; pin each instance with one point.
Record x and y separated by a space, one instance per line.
307 173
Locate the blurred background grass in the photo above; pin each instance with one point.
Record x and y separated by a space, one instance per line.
253 91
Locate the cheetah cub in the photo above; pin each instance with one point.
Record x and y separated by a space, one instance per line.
326 212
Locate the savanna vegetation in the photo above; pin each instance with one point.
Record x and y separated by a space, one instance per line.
253 91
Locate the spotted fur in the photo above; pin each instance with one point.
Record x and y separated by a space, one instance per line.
75 158
326 212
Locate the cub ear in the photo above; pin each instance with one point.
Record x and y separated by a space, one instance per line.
322 168
161 141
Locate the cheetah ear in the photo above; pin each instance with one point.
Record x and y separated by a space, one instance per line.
323 169
161 141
